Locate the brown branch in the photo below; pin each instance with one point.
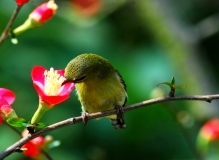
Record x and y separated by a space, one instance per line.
70 121
5 33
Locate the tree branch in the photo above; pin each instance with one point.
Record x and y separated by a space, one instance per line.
70 121
5 33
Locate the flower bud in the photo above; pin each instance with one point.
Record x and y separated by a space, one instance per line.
6 99
43 13
37 17
6 110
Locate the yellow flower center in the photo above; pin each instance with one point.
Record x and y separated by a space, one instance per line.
53 82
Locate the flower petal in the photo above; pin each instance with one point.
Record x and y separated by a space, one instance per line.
44 12
1 120
21 2
61 72
8 95
53 100
37 74
66 88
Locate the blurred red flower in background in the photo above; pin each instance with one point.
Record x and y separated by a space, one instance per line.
87 8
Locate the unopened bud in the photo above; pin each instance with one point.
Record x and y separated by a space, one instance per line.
37 17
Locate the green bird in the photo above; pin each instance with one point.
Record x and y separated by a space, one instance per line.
99 86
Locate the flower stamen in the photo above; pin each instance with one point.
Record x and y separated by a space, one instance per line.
53 82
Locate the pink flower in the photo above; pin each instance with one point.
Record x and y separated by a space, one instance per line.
44 12
21 2
48 85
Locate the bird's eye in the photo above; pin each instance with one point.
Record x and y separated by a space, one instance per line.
81 79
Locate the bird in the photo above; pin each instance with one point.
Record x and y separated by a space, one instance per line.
99 86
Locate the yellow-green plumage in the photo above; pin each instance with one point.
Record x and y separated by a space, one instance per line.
99 85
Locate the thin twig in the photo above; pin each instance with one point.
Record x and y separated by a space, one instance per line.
5 33
48 157
70 121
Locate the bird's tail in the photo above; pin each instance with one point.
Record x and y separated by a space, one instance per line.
118 123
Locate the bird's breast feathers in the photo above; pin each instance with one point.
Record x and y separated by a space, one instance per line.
101 95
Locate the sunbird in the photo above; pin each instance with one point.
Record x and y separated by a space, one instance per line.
99 86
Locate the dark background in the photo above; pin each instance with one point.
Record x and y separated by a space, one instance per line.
148 41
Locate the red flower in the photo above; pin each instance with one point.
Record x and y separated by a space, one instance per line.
210 130
48 85
32 148
44 12
21 2
87 7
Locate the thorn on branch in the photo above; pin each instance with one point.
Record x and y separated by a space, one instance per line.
73 120
209 100
18 150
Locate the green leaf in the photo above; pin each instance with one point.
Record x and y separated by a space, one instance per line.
173 80
167 83
16 122
41 125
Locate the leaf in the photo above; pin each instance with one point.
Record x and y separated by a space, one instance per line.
173 80
17 122
167 83
41 125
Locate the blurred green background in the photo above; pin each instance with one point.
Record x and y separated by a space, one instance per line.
148 41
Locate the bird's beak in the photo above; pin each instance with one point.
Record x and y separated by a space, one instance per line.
67 80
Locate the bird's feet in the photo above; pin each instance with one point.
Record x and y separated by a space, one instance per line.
120 111
84 116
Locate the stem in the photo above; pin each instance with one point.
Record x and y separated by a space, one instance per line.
70 121
5 33
46 155
42 108
22 28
